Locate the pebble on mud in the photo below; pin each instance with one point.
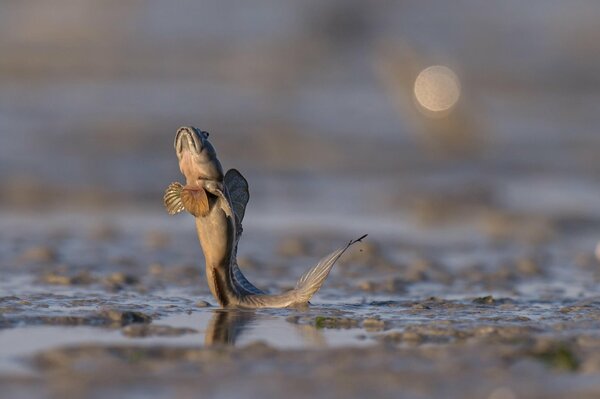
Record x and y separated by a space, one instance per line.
83 278
485 300
120 278
202 304
373 324
126 317
490 300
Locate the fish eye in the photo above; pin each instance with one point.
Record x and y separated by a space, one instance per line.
205 134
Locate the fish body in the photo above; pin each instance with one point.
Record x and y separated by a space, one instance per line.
218 203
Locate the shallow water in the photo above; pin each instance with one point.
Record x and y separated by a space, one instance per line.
208 328
126 289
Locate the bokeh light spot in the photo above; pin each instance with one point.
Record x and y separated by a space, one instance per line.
437 89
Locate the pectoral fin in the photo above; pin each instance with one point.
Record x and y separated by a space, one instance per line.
195 201
179 198
172 198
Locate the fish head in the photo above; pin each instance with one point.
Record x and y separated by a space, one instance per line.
197 157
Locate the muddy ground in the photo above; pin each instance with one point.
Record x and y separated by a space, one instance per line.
118 306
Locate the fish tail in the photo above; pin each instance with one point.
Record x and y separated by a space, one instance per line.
312 280
309 283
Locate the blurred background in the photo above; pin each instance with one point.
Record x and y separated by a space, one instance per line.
351 109
462 136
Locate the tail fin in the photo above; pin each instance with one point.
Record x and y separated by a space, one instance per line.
311 281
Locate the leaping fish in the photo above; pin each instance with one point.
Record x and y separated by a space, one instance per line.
218 203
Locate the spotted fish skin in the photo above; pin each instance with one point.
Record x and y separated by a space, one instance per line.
218 203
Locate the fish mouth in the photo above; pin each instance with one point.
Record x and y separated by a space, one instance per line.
197 157
188 138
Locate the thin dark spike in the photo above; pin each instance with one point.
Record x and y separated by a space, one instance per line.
358 239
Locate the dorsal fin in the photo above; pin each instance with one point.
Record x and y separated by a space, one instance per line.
242 282
237 187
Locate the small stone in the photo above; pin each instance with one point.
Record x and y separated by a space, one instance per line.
121 278
126 317
395 285
373 324
202 304
484 330
411 336
83 278
420 306
485 300
56 279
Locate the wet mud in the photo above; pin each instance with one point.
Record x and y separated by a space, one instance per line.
105 309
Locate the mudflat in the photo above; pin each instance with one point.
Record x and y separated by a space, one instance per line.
117 305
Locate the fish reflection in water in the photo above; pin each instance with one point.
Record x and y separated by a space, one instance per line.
226 326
